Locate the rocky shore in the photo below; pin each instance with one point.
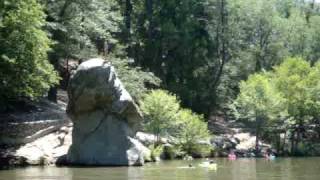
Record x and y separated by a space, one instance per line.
51 139
102 129
233 136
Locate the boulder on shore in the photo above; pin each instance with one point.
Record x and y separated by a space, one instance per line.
105 118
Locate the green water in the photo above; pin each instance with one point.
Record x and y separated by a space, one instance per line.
241 169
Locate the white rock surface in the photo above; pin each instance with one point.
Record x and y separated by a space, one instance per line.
248 141
149 139
47 149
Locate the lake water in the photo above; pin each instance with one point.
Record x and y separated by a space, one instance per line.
241 169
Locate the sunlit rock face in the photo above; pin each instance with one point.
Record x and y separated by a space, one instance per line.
105 118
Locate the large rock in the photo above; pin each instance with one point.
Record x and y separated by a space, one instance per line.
105 118
149 139
45 150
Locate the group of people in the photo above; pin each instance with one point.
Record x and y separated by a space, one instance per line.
269 155
210 164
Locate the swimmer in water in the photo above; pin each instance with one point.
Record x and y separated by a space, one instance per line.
232 156
210 164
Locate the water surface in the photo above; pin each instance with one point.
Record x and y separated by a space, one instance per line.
241 169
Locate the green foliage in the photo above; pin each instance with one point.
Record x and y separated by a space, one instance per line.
24 67
134 78
258 99
288 94
160 109
259 102
262 34
199 49
81 29
192 131
171 151
294 79
201 150
156 151
165 117
169 38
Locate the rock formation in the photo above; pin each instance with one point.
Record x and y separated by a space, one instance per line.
105 118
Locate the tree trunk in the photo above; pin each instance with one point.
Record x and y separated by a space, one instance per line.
52 94
257 140
293 141
149 12
284 141
127 22
258 124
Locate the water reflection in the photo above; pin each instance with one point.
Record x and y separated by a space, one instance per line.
242 169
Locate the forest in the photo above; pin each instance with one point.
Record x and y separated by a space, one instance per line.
253 61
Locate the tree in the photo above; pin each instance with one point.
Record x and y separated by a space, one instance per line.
24 67
164 117
169 38
259 102
251 36
192 130
134 78
81 30
260 33
296 80
288 94
160 110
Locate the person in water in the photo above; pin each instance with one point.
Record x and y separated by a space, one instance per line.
269 155
210 164
272 156
232 156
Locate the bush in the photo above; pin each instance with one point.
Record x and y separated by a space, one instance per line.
172 152
160 110
156 151
163 116
192 131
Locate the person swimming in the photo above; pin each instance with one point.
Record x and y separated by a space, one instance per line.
189 166
272 157
210 164
232 156
269 155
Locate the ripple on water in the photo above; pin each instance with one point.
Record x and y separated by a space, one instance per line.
241 169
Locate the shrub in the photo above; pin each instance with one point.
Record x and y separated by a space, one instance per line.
156 151
160 110
163 116
192 131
